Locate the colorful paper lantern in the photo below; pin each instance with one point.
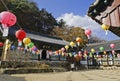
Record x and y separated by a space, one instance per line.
101 48
20 34
8 18
22 48
78 39
66 47
112 45
26 41
104 52
93 50
18 48
113 51
1 44
33 47
88 32
30 45
62 49
13 47
79 52
72 44
105 27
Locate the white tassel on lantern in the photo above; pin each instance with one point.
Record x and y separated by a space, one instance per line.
78 43
19 43
5 30
106 32
88 36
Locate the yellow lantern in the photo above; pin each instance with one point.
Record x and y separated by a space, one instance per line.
104 52
66 47
105 27
93 50
72 44
26 41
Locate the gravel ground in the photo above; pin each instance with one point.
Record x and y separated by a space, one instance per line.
90 75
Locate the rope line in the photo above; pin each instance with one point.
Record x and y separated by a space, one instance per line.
8 10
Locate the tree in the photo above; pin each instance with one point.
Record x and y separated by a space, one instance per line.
29 16
95 39
70 34
61 23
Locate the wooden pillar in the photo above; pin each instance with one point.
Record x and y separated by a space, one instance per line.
5 50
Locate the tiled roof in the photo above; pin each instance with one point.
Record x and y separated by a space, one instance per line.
47 39
43 38
105 45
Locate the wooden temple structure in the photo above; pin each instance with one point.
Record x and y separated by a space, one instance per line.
106 12
42 42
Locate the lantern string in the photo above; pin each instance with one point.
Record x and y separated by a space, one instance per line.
4 4
8 10
1 29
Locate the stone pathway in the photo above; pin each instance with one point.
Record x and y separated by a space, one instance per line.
90 75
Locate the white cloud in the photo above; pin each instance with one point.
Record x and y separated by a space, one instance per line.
86 22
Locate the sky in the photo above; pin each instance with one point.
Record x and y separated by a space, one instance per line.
74 13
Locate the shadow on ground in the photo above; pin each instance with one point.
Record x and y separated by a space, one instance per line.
5 77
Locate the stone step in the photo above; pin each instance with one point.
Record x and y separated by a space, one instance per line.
110 68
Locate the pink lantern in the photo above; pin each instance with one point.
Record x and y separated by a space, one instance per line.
8 18
112 45
63 49
88 33
33 47
18 48
113 51
79 52
50 52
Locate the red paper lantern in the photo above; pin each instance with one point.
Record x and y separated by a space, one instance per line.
1 44
8 18
20 34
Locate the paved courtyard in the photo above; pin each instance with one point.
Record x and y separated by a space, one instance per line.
91 75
